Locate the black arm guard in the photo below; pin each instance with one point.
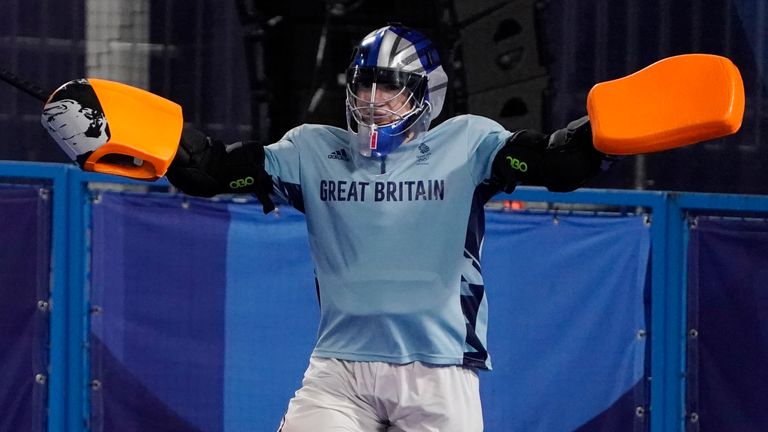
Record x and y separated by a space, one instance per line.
204 167
562 162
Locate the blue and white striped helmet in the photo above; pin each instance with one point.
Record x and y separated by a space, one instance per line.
402 66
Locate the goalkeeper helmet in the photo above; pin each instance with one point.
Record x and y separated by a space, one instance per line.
395 88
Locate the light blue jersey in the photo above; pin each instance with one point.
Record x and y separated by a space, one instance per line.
395 242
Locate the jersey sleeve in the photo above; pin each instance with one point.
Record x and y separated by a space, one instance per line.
484 139
282 159
282 162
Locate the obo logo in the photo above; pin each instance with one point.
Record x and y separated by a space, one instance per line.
517 164
241 183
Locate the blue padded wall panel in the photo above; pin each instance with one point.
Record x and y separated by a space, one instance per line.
728 313
24 280
566 306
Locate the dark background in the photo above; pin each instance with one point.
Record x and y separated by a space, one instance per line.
247 68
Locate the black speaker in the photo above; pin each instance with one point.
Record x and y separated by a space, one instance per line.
467 11
502 48
516 106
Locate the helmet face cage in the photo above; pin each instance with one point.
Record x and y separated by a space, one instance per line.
381 97
395 87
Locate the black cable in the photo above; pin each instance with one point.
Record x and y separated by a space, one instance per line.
315 89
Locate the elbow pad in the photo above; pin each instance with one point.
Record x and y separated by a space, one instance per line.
204 167
561 162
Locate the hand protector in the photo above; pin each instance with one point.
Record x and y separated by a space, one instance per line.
674 102
114 128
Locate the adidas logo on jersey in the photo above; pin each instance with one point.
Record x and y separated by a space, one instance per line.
340 154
